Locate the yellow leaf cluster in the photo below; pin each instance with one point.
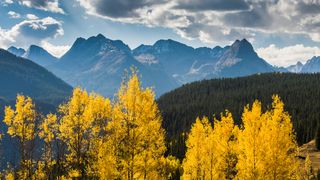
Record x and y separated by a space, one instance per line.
21 121
210 153
264 147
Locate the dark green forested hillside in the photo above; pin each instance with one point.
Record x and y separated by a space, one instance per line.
300 93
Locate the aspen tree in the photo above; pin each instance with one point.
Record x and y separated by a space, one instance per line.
211 151
74 129
267 146
250 143
48 131
21 123
223 148
195 165
136 132
280 147
81 123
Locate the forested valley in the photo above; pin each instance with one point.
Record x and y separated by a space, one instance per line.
299 92
249 133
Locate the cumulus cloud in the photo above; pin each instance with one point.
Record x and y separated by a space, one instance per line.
6 2
45 5
208 20
4 38
55 50
33 31
217 5
32 17
124 9
287 55
14 15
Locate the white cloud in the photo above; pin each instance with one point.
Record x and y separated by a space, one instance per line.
287 55
57 51
14 15
209 20
45 5
4 38
32 16
33 31
6 2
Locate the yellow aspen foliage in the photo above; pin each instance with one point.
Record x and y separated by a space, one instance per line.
250 143
41 172
106 164
49 128
21 121
21 124
195 165
136 132
308 168
267 146
169 166
74 128
9 176
48 131
82 118
211 151
222 148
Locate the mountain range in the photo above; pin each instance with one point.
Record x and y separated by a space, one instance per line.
98 63
35 53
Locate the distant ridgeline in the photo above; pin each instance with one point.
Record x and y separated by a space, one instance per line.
300 93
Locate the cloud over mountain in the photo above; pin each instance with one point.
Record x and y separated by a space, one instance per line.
35 30
287 55
193 19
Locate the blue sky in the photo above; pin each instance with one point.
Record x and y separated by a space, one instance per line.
282 31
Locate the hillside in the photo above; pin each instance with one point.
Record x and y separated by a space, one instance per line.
314 154
300 93
19 75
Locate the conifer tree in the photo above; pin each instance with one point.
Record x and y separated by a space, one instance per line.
21 123
317 138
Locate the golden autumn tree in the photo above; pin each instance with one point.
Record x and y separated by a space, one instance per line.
48 131
135 132
222 148
99 111
80 127
267 146
250 143
197 164
211 151
21 123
